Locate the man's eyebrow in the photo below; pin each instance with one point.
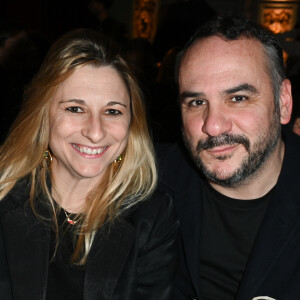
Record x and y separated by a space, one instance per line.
241 87
187 94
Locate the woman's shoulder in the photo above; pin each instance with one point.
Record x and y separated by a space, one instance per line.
17 196
156 208
153 202
155 223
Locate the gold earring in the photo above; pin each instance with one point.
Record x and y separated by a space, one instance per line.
46 159
118 160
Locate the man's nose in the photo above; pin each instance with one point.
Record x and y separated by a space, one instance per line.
216 121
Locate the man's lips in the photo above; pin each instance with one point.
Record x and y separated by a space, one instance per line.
222 149
223 142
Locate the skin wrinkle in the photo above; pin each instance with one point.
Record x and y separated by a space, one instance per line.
260 152
230 138
82 119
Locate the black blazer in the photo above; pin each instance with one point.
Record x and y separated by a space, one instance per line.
135 258
273 268
5 287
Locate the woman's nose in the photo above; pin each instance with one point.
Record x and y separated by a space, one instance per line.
93 129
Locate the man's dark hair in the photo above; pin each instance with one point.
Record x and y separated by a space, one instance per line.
232 28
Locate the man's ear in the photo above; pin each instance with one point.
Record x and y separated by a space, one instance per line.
285 101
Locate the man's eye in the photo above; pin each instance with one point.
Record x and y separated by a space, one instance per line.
197 102
113 112
239 98
75 109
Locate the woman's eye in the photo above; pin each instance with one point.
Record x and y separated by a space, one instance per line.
75 109
113 112
239 98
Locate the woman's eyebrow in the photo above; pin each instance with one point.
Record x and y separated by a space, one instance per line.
112 103
79 101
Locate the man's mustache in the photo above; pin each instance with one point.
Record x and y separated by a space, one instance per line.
221 140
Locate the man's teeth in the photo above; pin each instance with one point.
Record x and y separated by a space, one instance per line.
87 150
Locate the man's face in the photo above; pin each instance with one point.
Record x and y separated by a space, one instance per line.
229 119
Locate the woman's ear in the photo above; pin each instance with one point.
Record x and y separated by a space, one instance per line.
285 101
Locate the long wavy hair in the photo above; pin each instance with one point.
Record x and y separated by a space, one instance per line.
20 155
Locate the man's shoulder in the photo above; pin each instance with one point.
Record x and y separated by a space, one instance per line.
166 154
292 152
289 177
292 143
177 173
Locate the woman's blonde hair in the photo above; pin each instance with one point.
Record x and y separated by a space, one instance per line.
122 186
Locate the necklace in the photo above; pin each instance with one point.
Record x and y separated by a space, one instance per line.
69 220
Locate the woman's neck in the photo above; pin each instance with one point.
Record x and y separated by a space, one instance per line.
71 193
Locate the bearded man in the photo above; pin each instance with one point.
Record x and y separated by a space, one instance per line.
238 197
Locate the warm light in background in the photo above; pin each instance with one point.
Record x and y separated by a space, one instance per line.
144 18
278 16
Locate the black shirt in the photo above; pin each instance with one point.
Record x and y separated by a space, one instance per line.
65 280
229 227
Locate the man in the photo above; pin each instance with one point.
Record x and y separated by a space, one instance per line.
240 207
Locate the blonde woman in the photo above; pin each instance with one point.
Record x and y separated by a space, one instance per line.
79 212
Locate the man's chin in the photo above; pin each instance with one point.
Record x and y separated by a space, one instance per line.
223 166
221 178
221 173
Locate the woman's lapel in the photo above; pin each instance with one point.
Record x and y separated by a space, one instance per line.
27 241
107 258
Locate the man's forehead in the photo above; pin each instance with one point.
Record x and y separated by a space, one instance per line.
215 64
216 46
216 55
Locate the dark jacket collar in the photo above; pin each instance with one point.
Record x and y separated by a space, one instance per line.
280 224
27 240
180 177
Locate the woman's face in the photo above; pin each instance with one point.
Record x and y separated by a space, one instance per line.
89 123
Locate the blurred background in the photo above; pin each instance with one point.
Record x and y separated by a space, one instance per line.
149 33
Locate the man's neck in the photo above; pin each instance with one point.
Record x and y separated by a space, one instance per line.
259 183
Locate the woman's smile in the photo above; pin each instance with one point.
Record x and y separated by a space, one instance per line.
90 150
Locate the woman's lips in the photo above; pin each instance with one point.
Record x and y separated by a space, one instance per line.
91 152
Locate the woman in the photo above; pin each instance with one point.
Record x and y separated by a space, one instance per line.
79 214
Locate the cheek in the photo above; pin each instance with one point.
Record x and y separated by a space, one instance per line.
53 131
119 131
192 125
56 137
252 122
61 128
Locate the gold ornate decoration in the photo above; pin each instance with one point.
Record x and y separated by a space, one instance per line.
46 159
118 160
144 18
278 16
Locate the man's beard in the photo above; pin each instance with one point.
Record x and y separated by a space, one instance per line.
258 153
